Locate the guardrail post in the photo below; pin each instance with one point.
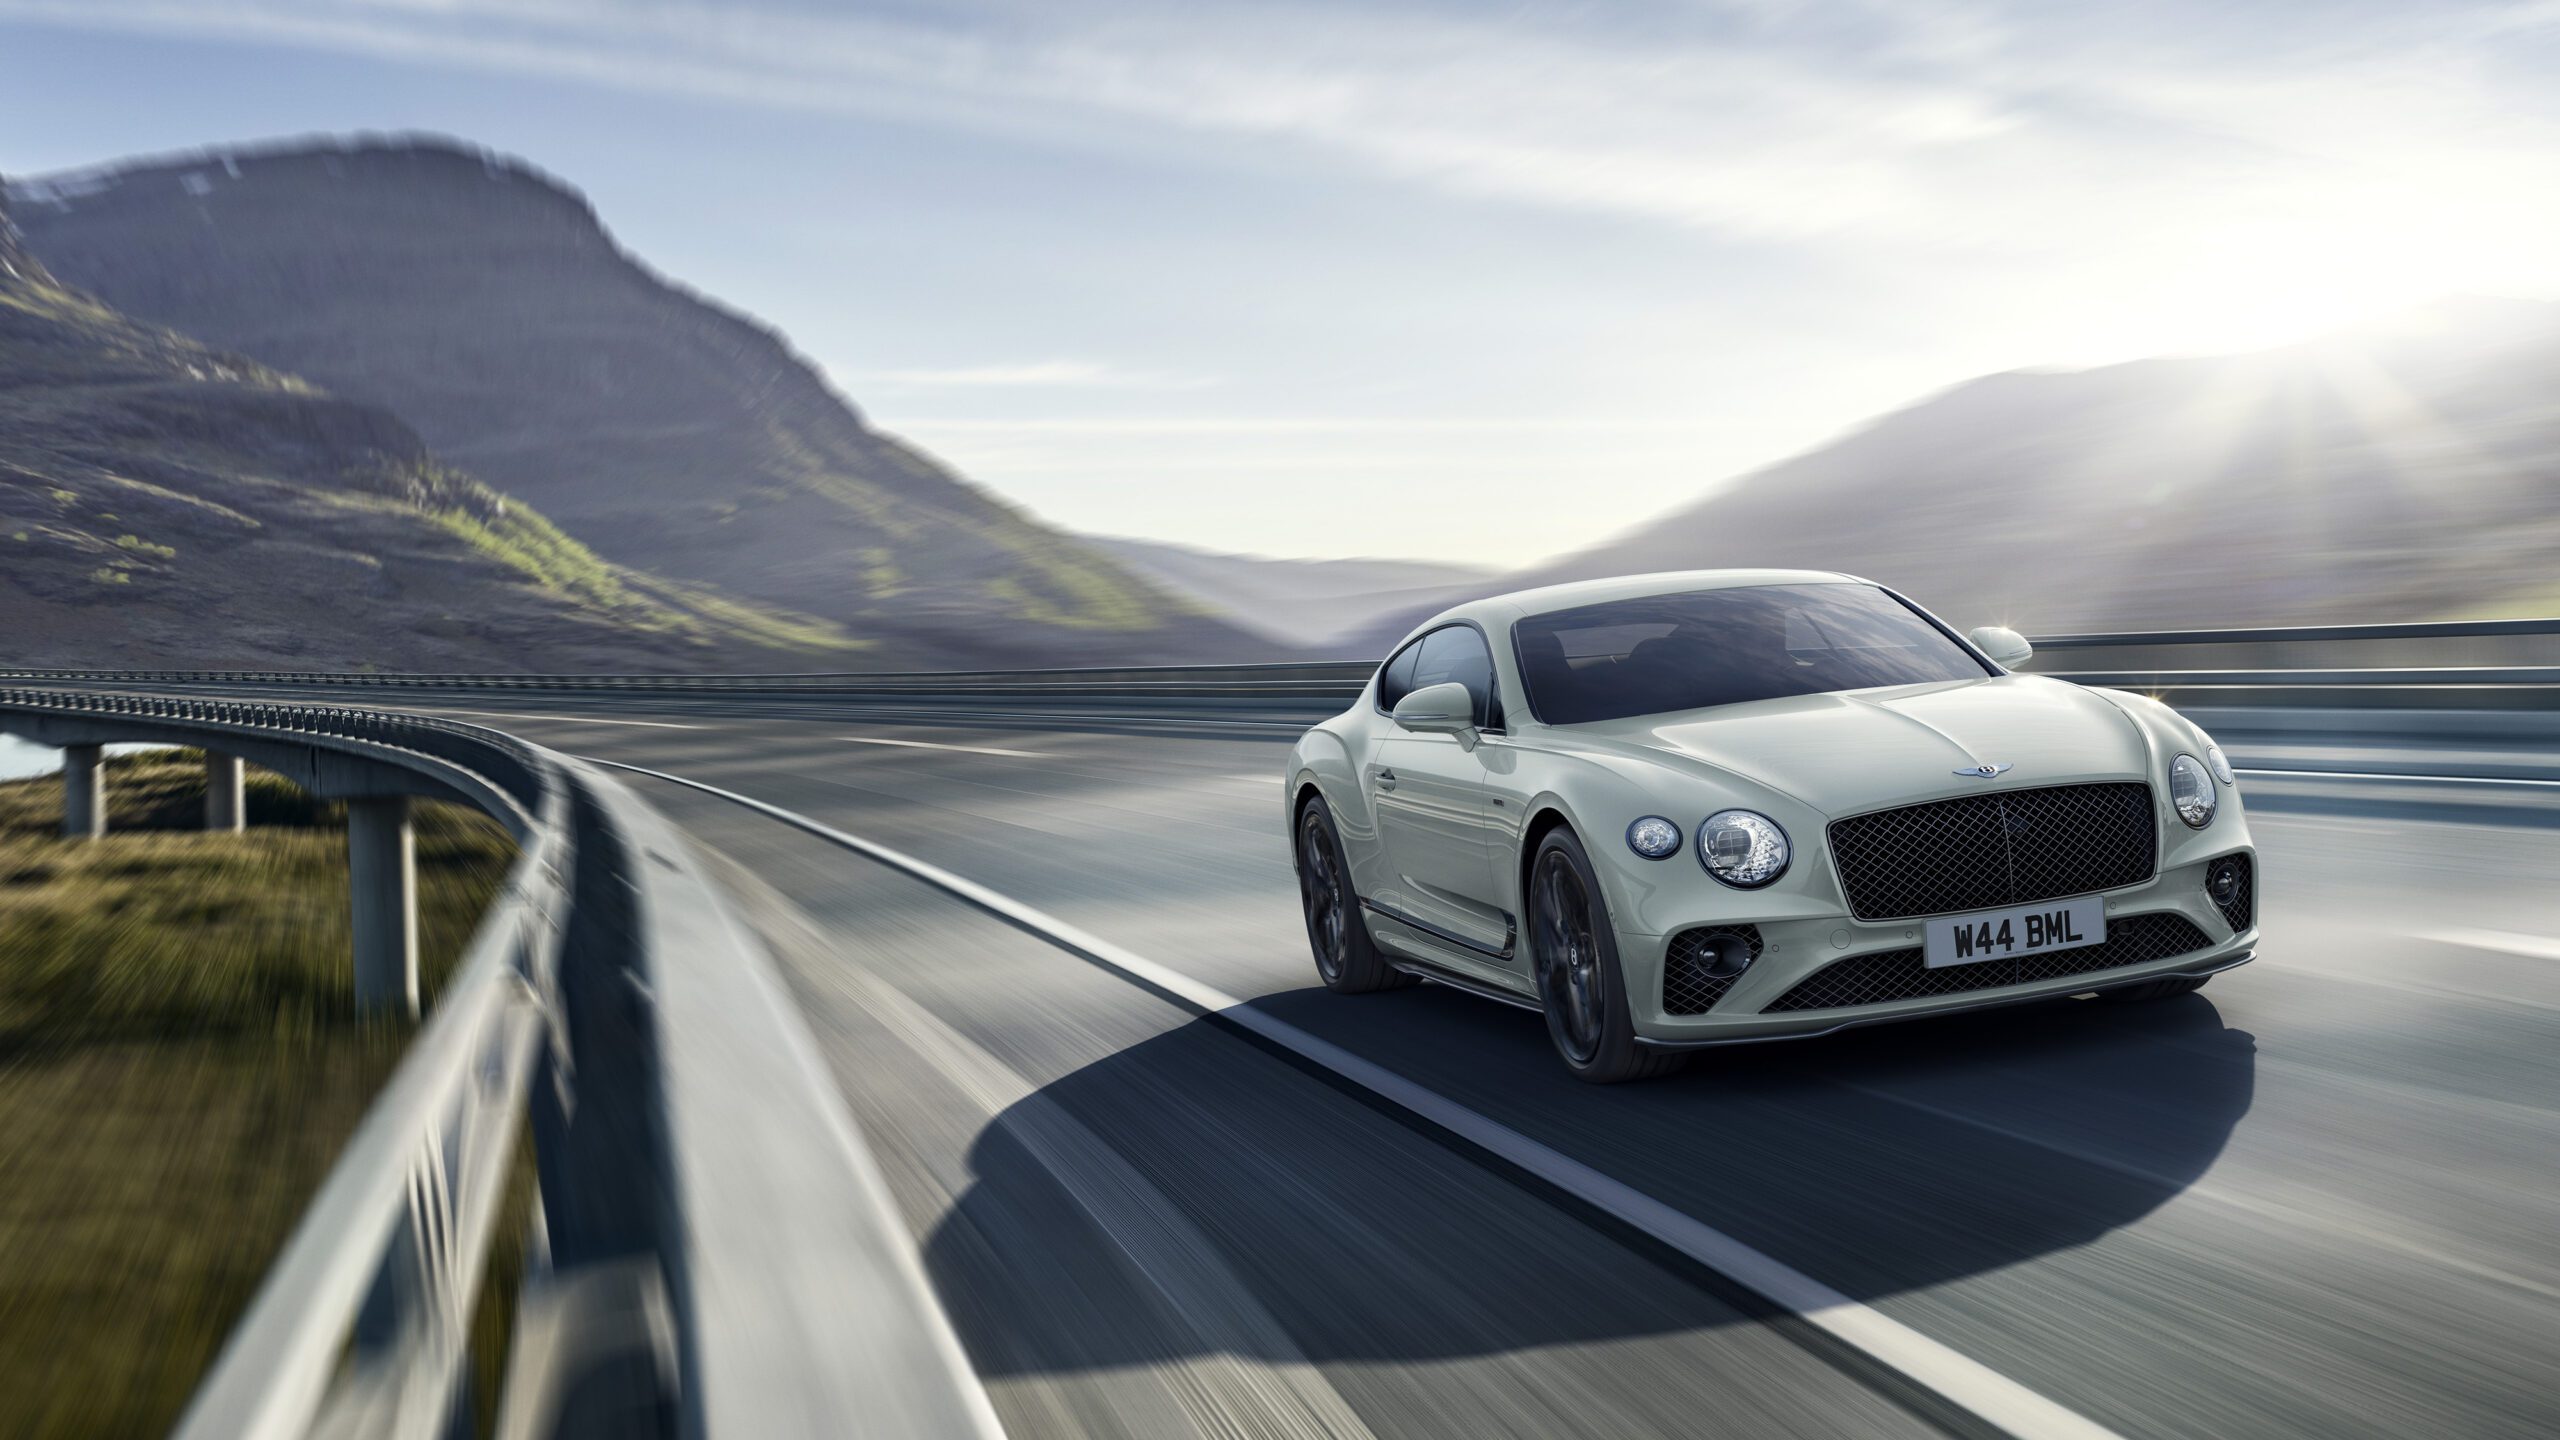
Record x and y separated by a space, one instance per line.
382 886
223 792
84 793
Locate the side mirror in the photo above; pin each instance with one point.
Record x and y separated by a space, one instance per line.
1442 709
2005 646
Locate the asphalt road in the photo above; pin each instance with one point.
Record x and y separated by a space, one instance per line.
2320 1198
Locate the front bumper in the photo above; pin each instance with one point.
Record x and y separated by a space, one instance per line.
1795 950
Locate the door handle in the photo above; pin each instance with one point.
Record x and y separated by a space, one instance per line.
1386 779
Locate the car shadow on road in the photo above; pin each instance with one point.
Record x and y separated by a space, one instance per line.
1878 1161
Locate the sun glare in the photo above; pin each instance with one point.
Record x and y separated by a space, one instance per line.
2256 288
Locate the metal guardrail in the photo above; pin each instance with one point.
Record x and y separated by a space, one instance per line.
1340 679
2305 634
620 1010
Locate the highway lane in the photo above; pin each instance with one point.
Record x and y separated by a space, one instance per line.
2315 1200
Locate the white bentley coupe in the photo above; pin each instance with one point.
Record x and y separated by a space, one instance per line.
1691 809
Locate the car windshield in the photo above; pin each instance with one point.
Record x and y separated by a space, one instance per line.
1661 653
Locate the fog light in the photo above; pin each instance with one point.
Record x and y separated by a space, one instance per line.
1725 956
2222 882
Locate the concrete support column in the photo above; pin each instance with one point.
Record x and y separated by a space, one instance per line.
382 881
223 792
84 793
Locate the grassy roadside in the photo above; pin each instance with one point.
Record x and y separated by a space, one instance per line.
180 1061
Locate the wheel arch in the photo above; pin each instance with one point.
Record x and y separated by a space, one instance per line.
1306 792
1546 815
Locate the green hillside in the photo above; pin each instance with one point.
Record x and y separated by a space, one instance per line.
161 502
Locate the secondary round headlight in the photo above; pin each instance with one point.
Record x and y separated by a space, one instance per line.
2191 790
1742 848
2220 762
1654 838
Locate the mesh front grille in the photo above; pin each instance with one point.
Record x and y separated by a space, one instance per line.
1982 852
1901 975
2239 910
1687 988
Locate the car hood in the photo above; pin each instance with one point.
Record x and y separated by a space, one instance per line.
1853 751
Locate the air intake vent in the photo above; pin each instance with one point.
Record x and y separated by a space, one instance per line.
1901 975
2239 908
1689 986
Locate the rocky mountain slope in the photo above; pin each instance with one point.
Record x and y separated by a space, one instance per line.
2406 471
162 503
1307 603
486 304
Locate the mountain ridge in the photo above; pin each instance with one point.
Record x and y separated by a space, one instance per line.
1300 602
2402 471
162 502
484 300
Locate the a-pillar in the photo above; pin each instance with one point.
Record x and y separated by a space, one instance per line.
84 793
382 882
222 792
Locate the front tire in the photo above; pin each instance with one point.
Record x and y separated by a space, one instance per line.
1347 960
1574 953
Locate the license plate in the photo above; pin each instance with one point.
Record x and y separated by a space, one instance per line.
2006 934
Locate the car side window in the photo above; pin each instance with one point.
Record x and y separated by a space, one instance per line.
1395 679
1457 652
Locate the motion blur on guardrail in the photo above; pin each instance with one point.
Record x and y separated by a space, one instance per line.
701 1267
2451 663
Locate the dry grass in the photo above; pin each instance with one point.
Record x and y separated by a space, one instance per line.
180 1060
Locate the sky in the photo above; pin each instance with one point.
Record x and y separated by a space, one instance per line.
1470 281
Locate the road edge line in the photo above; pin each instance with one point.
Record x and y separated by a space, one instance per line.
1958 1379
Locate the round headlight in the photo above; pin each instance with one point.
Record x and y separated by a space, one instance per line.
2220 762
1742 848
2191 790
1654 838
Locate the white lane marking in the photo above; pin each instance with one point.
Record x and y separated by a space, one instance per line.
572 719
937 745
1983 1392
2508 942
2393 775
1248 1361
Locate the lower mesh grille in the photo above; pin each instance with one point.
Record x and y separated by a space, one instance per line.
2240 909
1687 988
1901 975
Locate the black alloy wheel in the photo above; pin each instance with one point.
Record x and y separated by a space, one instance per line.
1568 962
1347 960
1574 959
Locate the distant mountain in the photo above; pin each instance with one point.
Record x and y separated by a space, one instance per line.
486 304
166 504
2407 471
1311 604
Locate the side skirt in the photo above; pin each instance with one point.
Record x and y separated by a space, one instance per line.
1425 970
1510 932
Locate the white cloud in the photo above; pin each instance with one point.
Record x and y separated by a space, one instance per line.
1970 128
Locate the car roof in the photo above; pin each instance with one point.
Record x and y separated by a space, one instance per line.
1496 610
